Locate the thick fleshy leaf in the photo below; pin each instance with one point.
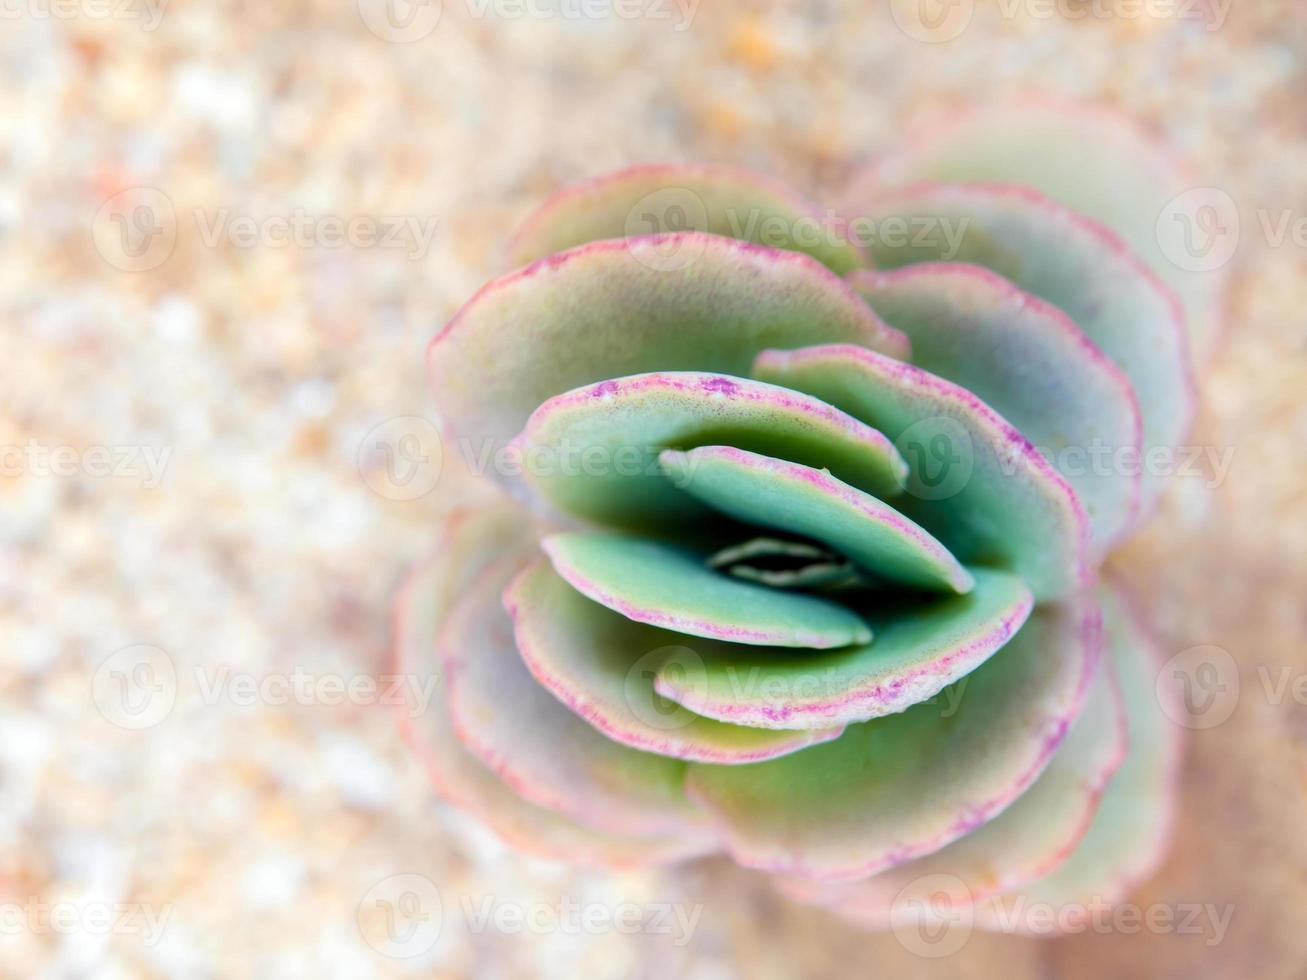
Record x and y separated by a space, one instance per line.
801 500
608 309
1075 264
895 788
606 438
1028 361
1128 835
602 665
921 646
545 753
976 482
650 200
1097 163
674 589
470 543
1025 841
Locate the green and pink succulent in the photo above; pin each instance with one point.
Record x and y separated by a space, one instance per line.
795 565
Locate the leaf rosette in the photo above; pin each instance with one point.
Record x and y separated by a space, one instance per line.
800 559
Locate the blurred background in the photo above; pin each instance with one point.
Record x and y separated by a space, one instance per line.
227 230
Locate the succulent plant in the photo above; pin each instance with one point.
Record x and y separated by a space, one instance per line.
801 562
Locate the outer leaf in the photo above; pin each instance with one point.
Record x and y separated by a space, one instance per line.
602 665
1073 263
1095 162
662 198
999 500
896 788
471 542
668 587
607 309
1128 835
801 500
545 753
1028 361
920 647
606 438
1025 841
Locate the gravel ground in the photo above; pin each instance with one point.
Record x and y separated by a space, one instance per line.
190 462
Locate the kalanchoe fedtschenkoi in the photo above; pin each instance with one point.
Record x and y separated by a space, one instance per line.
803 565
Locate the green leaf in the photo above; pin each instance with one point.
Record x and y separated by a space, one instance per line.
650 200
800 500
896 788
1132 828
593 452
673 589
1073 263
1095 162
602 666
922 645
610 309
547 754
1028 361
470 543
1025 841
976 483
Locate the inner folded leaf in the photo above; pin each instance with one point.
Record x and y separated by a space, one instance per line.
797 499
593 452
923 643
601 666
671 587
785 564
